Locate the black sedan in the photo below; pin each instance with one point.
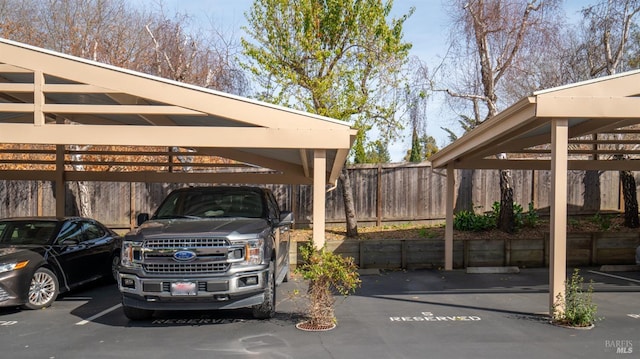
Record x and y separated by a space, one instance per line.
41 257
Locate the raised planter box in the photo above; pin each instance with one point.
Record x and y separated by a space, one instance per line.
583 249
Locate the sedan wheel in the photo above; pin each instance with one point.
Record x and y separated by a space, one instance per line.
115 264
43 289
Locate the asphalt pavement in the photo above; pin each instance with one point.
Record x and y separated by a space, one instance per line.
395 314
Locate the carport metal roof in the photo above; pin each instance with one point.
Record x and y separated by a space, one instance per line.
52 99
582 126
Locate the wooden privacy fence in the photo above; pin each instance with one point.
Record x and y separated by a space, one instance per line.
388 193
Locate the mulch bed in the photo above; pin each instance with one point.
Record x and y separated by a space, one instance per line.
575 224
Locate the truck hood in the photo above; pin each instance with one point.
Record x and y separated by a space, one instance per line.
232 228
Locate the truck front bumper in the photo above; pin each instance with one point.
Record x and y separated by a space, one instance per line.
240 290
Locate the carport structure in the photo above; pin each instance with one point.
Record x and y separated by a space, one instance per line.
582 126
74 109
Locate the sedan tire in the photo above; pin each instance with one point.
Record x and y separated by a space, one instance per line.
115 264
43 289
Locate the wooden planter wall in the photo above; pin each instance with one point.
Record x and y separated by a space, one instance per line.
583 249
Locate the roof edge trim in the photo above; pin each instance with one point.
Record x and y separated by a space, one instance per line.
453 150
168 81
586 82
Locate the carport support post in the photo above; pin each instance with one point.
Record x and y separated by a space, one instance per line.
448 228
319 199
558 228
60 195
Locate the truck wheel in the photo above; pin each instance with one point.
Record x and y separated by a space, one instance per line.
267 309
137 313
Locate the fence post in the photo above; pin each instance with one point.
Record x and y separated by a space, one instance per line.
465 253
593 258
379 196
534 194
361 250
545 252
132 206
39 195
507 251
294 201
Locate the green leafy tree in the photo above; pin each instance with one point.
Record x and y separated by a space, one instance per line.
634 48
429 146
416 96
359 153
378 152
495 38
415 155
422 148
336 58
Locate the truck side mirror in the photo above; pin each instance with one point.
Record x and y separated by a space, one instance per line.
286 218
141 218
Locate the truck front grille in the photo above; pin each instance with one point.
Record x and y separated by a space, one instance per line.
186 268
171 243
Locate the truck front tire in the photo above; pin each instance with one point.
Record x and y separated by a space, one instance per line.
267 309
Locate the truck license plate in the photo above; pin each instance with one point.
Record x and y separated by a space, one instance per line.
183 288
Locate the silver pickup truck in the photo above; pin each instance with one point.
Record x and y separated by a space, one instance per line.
207 248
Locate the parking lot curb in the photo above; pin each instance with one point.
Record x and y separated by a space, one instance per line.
368 271
620 268
493 270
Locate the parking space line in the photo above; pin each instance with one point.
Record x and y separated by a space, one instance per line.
615 276
104 312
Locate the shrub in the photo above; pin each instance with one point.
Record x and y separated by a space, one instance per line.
326 272
531 218
603 221
576 307
470 221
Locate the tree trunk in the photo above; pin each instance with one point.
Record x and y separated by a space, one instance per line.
464 200
591 183
506 220
349 208
83 200
631 219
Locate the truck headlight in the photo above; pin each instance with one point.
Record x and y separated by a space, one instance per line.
8 267
131 254
254 252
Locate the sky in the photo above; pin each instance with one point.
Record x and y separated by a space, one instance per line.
427 29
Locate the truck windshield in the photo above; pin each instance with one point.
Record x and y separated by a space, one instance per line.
211 203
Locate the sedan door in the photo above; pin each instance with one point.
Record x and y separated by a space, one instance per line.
84 251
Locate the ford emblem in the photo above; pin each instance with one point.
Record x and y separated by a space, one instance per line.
184 256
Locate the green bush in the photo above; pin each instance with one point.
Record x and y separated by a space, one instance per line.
576 307
531 218
470 221
603 221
